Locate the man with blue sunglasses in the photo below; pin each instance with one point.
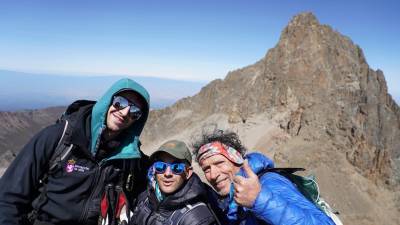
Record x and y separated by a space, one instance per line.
175 194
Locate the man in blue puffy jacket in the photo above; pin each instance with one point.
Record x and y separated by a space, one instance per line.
240 196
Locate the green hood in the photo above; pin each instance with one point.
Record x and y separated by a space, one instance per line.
129 147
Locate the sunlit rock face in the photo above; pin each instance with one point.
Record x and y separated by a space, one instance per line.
312 101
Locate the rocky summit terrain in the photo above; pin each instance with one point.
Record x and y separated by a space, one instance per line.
311 102
16 128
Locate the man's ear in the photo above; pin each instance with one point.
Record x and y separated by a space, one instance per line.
189 172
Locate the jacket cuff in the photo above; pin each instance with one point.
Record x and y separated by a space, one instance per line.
261 202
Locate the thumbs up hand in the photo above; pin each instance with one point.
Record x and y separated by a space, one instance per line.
247 189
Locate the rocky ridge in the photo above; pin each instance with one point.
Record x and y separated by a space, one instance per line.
16 128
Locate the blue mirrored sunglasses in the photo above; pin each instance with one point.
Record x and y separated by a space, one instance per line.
120 102
176 168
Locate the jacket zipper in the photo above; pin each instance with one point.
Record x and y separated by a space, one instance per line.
95 182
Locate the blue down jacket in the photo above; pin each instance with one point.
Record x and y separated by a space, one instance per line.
278 203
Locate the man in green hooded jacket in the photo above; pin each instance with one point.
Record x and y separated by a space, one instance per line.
100 167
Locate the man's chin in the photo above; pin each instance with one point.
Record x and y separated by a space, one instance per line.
168 190
222 192
116 127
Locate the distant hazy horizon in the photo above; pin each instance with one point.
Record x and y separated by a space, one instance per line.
25 91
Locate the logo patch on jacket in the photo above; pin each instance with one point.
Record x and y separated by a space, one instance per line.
72 166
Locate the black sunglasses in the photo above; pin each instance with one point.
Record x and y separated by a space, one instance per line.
120 103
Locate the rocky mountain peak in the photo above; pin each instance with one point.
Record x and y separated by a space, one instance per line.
312 101
305 37
305 20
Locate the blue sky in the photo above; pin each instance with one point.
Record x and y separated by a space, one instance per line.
192 40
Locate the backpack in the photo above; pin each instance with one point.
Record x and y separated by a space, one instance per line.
61 151
190 213
186 215
308 186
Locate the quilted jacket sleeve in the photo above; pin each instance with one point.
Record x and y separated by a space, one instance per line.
279 202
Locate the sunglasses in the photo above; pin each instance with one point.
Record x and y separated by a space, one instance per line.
120 103
176 168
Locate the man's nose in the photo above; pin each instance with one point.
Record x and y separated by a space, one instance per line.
125 111
168 171
213 172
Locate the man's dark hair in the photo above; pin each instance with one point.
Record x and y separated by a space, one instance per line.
229 138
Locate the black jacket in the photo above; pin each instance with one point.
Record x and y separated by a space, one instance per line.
74 190
149 211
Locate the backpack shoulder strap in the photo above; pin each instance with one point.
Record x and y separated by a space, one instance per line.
134 177
198 213
74 107
281 170
60 152
63 148
305 184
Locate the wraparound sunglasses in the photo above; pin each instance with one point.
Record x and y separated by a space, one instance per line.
120 103
176 168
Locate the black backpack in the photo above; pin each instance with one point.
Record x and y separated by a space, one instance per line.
186 215
61 151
